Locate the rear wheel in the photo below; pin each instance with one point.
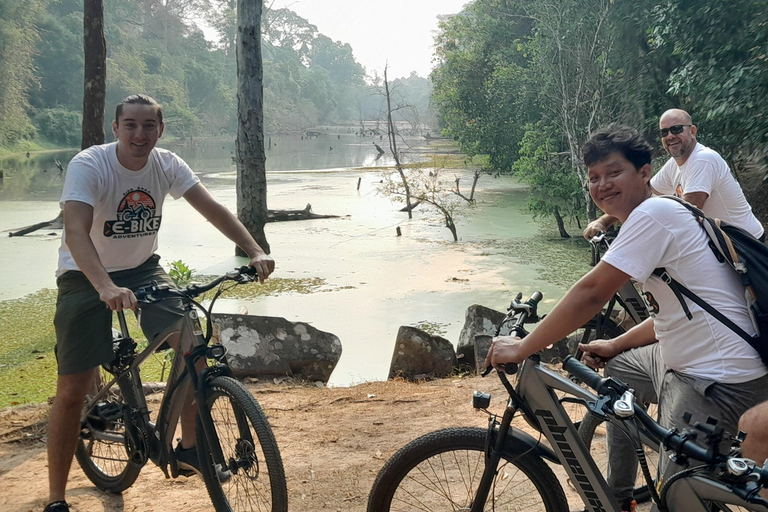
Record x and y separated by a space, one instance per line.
252 477
442 470
103 448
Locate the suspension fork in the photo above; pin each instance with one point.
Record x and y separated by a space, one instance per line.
493 451
200 383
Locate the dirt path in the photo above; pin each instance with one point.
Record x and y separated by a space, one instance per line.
333 442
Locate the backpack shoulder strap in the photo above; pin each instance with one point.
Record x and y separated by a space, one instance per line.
680 291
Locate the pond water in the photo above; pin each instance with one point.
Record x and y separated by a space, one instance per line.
376 281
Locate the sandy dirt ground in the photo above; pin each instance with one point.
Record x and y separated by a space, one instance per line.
333 442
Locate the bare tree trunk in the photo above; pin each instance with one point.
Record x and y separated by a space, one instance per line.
392 134
95 53
475 179
249 147
560 224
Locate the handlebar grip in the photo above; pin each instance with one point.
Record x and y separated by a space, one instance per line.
510 368
248 270
535 298
582 372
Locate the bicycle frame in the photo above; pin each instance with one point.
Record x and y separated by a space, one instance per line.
192 346
535 397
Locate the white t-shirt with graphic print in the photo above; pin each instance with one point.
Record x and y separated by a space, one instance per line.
127 205
706 171
663 233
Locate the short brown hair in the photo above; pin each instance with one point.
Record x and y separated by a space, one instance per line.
617 138
138 99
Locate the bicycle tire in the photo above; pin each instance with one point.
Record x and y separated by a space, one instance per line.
102 449
441 471
587 429
257 481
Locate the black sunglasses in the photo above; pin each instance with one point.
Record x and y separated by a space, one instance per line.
674 130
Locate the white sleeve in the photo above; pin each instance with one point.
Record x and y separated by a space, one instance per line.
632 253
700 177
183 178
82 181
663 181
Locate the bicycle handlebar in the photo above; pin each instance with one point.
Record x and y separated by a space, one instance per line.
671 439
157 292
526 310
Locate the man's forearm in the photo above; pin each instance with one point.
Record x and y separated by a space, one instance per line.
87 259
638 336
607 220
225 221
222 219
577 307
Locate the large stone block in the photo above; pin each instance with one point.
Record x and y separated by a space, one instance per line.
261 346
419 355
478 321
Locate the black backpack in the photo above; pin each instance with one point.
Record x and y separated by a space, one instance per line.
748 256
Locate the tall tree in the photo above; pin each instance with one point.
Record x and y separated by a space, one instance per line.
18 36
250 156
95 49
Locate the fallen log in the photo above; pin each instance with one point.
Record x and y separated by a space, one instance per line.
305 214
56 223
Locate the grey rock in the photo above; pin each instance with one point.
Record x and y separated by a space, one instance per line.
419 355
261 346
479 321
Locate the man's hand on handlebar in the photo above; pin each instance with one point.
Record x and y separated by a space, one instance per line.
117 298
264 265
593 228
598 352
505 350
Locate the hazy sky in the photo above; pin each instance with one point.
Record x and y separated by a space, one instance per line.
400 32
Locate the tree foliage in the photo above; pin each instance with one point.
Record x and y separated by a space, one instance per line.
527 82
156 47
18 39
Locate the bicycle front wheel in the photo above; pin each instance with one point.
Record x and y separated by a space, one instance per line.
442 470
103 448
252 477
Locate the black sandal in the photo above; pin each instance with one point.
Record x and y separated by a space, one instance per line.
57 506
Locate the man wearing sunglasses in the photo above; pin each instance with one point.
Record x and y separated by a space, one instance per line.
696 173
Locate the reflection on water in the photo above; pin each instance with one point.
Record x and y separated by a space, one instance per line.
291 153
33 177
37 176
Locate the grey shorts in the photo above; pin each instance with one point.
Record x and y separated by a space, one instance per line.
84 323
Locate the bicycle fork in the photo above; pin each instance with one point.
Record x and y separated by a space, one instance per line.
206 420
493 451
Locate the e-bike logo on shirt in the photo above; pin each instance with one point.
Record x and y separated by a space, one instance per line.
135 217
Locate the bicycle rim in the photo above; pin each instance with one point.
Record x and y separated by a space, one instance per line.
253 479
442 471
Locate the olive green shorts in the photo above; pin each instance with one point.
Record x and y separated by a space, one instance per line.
84 323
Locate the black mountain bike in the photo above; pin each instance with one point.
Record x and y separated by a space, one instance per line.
238 455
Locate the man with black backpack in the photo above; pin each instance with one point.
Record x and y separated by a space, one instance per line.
697 364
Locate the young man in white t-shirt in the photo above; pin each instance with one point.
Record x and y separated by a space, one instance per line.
697 174
113 201
702 366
